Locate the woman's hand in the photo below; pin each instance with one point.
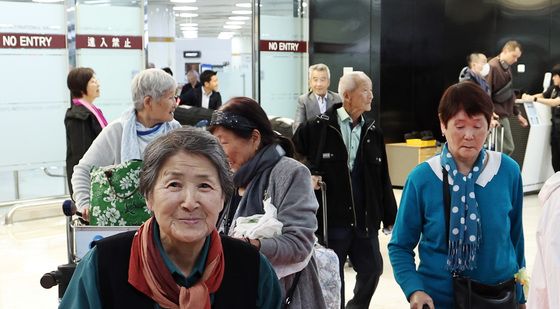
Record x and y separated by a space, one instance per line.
85 214
419 298
527 97
256 243
315 181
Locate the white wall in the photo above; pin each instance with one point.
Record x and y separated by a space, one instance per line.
161 27
234 78
213 51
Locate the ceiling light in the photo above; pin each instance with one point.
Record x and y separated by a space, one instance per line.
242 12
185 8
235 22
239 18
188 15
189 25
304 4
225 35
189 28
183 1
47 1
243 5
232 27
190 34
87 1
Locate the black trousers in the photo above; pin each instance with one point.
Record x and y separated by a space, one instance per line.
555 142
366 261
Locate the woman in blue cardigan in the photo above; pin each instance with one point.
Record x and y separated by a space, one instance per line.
485 233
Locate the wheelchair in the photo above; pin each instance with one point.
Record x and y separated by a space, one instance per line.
80 238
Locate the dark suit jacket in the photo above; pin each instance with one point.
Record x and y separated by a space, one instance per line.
194 98
188 87
307 107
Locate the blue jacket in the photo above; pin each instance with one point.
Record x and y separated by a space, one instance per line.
421 222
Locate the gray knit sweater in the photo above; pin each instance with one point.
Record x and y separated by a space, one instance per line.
292 194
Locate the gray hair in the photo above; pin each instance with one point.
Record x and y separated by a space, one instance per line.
349 81
193 141
193 72
319 67
150 82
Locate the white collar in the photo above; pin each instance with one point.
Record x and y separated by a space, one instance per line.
490 169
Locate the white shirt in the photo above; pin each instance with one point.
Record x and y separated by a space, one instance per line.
322 101
205 98
545 280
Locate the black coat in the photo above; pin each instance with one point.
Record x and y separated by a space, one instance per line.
188 87
194 98
238 289
82 128
379 203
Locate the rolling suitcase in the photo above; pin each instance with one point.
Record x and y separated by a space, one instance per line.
495 140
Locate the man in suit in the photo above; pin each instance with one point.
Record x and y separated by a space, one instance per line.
206 96
319 99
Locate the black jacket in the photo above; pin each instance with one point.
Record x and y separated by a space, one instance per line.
238 289
331 163
188 87
82 128
194 98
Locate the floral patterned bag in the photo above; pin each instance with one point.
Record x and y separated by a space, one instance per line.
114 195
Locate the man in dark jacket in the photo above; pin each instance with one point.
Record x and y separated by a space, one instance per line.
192 82
347 152
476 70
206 96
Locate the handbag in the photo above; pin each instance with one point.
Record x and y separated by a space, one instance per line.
114 196
470 294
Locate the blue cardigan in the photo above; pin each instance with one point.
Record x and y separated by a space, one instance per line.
421 222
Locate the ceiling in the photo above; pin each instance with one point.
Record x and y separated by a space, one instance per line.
213 15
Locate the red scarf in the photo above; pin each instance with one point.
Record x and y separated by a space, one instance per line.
148 274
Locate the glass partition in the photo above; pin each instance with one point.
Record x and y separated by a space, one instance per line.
283 56
33 97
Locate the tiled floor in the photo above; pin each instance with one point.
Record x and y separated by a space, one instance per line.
30 249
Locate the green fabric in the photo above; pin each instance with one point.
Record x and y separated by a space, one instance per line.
114 196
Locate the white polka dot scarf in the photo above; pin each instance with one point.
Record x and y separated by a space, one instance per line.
464 222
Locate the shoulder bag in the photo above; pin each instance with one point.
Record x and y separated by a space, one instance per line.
114 196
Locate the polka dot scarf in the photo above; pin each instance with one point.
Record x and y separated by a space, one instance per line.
464 222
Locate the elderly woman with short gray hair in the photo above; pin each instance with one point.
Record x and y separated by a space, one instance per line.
153 95
177 259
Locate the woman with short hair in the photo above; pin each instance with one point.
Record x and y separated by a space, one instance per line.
153 95
263 169
483 239
177 258
83 120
